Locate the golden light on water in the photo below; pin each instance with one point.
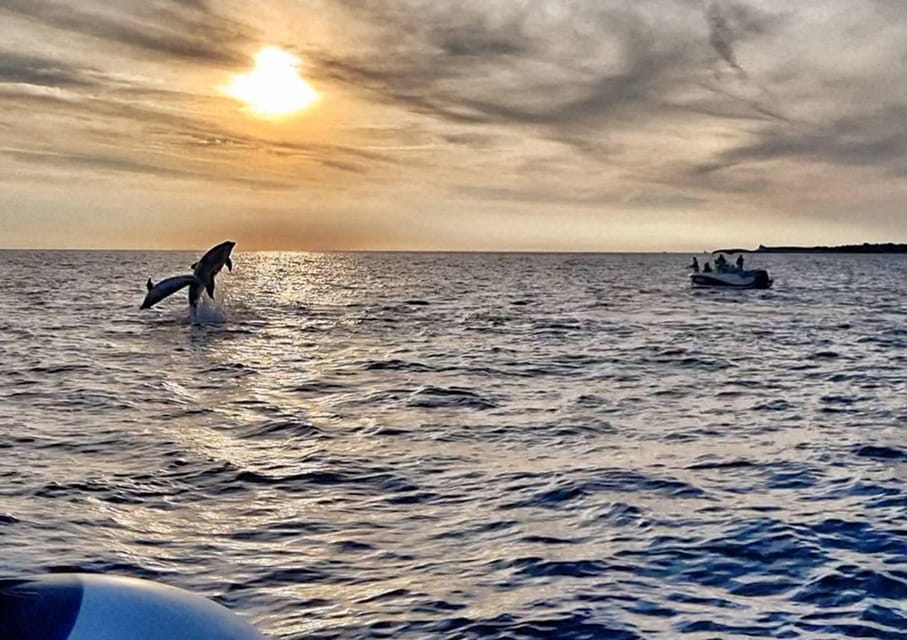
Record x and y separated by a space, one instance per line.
274 87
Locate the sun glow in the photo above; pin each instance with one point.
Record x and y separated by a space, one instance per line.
274 87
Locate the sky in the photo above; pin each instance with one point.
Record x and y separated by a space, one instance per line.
569 125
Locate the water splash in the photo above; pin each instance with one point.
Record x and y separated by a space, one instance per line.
208 312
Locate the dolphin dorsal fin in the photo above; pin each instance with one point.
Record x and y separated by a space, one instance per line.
149 284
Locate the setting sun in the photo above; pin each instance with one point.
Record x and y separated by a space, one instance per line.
274 87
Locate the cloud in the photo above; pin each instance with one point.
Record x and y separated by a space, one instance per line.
177 30
43 71
578 74
109 163
872 139
509 72
595 200
721 37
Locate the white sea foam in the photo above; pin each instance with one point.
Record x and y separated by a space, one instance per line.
208 311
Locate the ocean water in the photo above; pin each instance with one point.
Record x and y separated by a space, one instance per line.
467 446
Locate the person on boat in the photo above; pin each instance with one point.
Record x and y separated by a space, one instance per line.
720 263
740 262
707 268
694 265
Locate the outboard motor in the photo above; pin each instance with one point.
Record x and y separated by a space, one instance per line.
762 281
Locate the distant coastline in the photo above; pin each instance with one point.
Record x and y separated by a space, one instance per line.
866 247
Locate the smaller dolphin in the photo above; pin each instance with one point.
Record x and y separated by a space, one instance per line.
207 268
165 288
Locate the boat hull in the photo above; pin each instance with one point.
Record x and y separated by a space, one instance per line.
758 279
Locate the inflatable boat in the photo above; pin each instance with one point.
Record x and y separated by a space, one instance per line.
98 607
755 279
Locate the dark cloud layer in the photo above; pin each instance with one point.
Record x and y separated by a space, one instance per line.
179 30
630 69
37 70
872 139
721 37
625 69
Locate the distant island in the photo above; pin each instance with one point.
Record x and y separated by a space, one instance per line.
866 247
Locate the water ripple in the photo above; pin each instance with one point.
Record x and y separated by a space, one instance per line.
468 446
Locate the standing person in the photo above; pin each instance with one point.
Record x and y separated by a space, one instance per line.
694 265
740 262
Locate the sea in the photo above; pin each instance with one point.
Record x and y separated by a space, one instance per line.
446 445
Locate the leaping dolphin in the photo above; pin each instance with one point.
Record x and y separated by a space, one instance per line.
165 288
207 268
202 277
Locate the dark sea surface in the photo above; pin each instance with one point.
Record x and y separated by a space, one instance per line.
467 446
